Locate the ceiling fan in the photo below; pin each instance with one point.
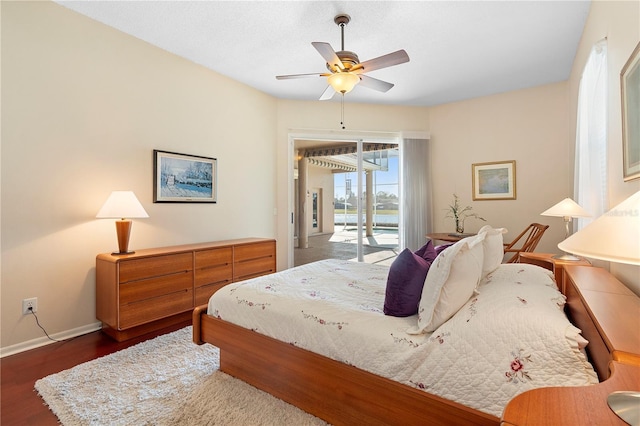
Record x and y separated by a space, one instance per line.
346 70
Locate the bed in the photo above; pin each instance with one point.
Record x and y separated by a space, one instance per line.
349 363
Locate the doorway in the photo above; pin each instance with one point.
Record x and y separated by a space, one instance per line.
347 194
317 215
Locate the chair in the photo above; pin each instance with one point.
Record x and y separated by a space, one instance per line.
531 236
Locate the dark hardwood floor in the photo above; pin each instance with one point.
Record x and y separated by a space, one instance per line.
20 403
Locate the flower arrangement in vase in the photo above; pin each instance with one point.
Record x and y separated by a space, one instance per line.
460 214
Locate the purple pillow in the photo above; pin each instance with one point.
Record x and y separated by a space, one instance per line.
427 252
404 284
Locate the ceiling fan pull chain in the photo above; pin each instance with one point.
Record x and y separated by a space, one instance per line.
342 112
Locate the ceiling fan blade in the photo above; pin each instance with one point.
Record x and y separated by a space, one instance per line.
374 83
328 54
384 61
316 74
327 94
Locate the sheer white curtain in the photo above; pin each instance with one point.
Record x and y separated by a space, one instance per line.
590 180
416 217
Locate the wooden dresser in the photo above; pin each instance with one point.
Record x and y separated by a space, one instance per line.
153 288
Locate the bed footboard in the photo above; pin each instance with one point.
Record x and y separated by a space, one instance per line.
333 391
198 313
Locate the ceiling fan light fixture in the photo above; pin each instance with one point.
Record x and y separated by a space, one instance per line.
343 82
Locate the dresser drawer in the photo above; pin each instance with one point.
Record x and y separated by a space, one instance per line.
253 268
132 270
136 313
214 267
215 257
203 293
135 291
242 253
214 275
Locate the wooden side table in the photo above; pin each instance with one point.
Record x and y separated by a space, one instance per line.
448 237
580 405
547 261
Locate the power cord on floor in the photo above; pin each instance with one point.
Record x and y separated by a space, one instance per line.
45 331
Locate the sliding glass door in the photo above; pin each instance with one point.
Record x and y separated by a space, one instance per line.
359 183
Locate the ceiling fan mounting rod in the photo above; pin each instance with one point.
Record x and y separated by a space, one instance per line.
342 20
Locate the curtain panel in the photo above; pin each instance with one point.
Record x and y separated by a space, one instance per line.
416 216
590 180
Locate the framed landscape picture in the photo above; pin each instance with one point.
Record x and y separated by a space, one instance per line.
494 181
183 178
630 88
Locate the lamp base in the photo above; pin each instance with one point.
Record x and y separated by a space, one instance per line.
121 253
123 230
626 405
567 257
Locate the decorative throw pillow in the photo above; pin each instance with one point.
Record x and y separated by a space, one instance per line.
427 252
404 284
450 282
493 245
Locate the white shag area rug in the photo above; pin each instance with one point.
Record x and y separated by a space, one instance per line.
165 381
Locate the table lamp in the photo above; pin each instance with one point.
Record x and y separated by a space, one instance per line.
615 237
122 205
567 209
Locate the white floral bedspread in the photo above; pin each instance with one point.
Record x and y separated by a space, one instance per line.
511 337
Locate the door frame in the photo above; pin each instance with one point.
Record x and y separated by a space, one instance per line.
326 135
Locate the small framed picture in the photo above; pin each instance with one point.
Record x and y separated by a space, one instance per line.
494 181
183 178
630 87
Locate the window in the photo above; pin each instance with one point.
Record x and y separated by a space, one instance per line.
590 183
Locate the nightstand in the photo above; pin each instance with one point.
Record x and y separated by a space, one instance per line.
580 405
547 261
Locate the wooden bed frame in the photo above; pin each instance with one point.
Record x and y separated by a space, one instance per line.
345 395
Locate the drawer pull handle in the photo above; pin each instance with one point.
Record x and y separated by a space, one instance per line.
151 277
217 282
255 258
218 265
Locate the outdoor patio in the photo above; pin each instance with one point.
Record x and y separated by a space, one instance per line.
380 248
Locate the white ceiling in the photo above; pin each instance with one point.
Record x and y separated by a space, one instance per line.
458 49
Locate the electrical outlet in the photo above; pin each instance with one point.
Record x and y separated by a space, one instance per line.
29 303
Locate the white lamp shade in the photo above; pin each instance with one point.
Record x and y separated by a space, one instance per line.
614 236
120 205
566 208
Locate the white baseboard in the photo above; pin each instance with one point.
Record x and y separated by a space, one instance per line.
43 341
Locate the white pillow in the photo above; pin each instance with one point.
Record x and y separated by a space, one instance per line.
493 245
450 283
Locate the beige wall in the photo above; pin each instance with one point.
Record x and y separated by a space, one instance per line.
83 107
528 126
619 22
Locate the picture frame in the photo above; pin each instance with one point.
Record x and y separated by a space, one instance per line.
494 180
183 178
630 96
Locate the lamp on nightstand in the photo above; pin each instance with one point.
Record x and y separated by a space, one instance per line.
122 205
567 209
615 237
